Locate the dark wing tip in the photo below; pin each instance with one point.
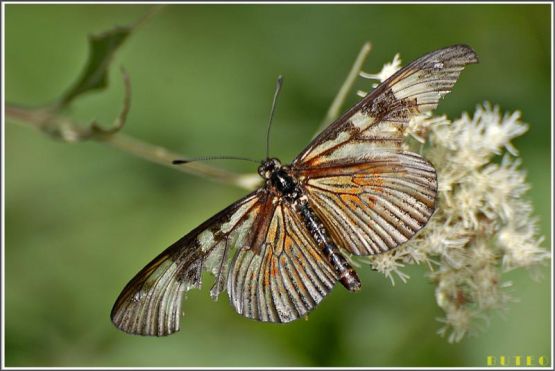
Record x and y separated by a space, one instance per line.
462 52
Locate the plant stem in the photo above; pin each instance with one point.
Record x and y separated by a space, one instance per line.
335 107
45 120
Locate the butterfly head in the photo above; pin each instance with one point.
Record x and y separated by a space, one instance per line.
268 167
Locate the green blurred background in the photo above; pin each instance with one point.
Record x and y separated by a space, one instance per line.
82 219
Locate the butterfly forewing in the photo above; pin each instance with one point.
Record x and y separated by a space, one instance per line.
150 304
285 276
379 120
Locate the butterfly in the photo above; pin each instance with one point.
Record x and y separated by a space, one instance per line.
281 249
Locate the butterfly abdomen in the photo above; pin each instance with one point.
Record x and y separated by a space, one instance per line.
347 275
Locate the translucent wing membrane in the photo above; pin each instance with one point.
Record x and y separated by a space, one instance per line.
283 278
373 206
378 121
150 304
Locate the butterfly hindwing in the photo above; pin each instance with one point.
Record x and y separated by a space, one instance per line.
379 120
282 278
150 304
370 207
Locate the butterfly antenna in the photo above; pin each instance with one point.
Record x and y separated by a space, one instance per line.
279 83
209 158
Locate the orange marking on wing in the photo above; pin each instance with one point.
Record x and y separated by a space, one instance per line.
273 270
266 281
370 200
267 272
373 180
288 244
341 180
349 199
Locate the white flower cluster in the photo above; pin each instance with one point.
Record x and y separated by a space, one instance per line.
483 225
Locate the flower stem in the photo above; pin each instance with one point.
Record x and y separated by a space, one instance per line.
335 107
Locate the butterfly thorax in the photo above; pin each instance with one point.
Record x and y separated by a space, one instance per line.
284 183
280 180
